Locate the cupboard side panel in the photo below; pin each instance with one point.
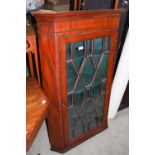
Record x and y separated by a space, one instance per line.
49 57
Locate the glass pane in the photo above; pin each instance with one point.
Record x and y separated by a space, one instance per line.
79 88
78 129
71 134
86 100
71 77
69 99
89 45
87 126
86 117
100 105
87 108
103 67
68 49
97 49
88 71
107 43
79 98
72 116
95 91
93 122
100 119
88 93
103 85
79 48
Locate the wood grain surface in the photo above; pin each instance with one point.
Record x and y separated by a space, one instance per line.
36 110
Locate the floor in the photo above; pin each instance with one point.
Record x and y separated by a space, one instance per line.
112 141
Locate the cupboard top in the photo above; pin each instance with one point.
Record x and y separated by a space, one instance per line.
51 21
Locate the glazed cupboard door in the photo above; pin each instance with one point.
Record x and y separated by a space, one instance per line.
86 65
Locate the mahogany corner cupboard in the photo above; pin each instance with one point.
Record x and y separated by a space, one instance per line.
77 54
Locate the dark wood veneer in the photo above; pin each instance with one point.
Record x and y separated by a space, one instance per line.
55 29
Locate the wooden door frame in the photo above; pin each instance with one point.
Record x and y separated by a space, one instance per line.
78 36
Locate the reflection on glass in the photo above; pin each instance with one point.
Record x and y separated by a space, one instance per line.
79 53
